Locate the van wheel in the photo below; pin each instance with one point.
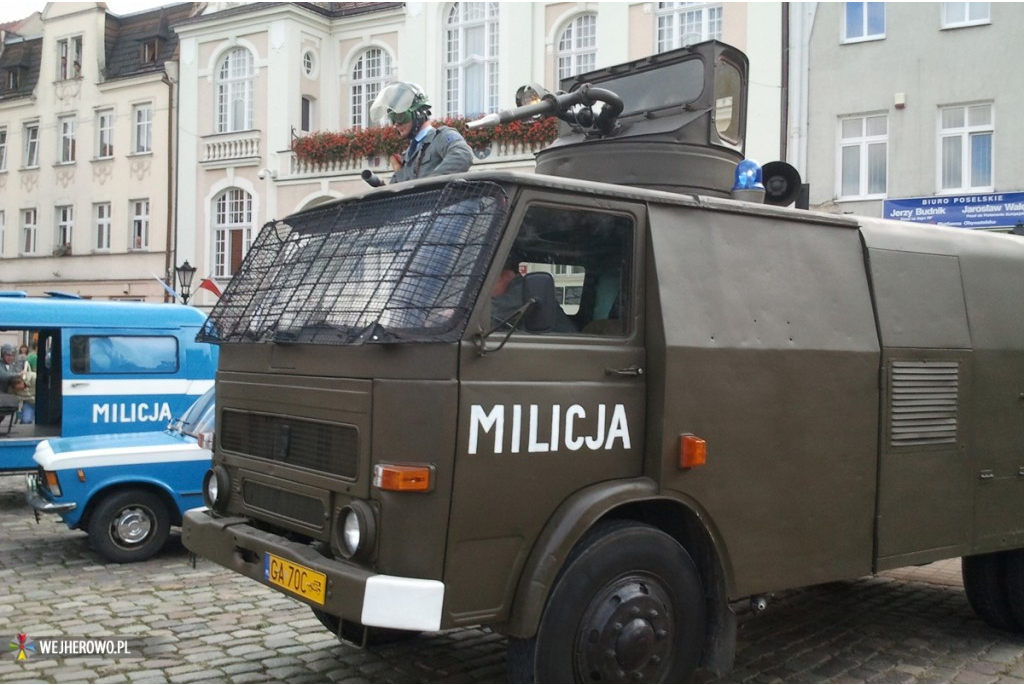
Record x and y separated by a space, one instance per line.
129 525
353 632
988 592
628 607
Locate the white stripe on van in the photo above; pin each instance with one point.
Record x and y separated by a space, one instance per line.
135 386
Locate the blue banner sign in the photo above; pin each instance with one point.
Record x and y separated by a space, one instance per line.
988 210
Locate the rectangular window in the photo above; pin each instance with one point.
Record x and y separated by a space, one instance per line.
149 50
65 225
105 134
13 78
965 148
28 231
142 116
140 225
957 14
101 224
66 126
307 114
863 156
3 231
863 21
132 354
69 63
3 149
31 158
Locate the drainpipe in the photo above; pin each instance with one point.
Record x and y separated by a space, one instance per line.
171 248
784 122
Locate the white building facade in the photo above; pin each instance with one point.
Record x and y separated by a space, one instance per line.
131 144
87 142
912 111
255 76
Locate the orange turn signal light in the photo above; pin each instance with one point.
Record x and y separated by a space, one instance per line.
52 482
693 451
402 477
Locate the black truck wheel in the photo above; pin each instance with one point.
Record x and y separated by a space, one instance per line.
985 583
628 607
129 525
355 633
1014 579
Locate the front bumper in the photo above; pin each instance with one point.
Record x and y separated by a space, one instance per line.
38 501
353 593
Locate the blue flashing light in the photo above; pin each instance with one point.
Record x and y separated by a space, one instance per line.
748 176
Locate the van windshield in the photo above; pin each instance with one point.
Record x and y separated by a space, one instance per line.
401 267
197 418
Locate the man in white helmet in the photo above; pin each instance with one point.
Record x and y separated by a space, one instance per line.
432 150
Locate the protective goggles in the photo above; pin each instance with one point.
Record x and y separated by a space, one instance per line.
400 117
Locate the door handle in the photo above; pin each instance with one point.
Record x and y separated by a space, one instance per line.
632 371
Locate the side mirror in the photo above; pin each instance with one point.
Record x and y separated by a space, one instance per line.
539 286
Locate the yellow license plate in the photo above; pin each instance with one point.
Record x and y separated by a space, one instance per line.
296 578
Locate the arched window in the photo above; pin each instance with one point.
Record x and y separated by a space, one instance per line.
471 58
235 100
232 230
685 23
577 47
369 74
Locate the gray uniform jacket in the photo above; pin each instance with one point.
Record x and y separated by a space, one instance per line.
442 151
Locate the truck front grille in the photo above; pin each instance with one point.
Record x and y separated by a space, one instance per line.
290 505
324 447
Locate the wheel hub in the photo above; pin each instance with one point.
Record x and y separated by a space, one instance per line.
132 526
626 633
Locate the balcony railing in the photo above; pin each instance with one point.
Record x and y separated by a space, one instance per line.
497 156
231 148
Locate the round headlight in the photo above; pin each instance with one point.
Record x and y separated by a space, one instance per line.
216 486
354 530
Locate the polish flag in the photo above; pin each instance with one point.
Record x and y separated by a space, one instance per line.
211 285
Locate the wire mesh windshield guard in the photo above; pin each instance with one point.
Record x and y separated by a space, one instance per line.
404 267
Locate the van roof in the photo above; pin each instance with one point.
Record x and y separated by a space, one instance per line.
45 312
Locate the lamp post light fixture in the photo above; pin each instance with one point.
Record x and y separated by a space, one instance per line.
185 273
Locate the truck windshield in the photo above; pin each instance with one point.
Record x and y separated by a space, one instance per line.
401 267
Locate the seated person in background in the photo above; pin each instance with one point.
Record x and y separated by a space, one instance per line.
9 368
507 297
24 390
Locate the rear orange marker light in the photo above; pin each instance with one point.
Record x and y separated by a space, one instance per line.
402 477
693 451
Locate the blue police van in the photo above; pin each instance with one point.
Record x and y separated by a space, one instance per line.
101 368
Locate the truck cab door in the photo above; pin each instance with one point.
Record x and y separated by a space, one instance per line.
550 412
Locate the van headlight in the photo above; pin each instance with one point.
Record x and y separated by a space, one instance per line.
354 531
216 487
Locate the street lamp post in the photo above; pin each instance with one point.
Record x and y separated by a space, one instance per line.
185 273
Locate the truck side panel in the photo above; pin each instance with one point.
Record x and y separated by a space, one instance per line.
771 355
955 486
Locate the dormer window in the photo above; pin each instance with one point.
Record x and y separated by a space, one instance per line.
69 52
149 50
13 80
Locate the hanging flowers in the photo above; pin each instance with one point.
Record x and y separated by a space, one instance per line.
352 145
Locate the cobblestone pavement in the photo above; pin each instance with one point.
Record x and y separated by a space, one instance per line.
205 624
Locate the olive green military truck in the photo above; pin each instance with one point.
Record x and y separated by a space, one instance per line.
596 406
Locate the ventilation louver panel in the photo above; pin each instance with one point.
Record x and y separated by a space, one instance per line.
925 402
